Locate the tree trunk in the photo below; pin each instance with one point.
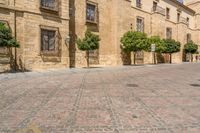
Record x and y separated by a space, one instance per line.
154 57
15 60
87 57
12 62
170 58
134 54
191 56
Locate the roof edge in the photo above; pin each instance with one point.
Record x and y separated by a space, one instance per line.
184 6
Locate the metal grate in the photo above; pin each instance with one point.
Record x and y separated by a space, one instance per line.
195 85
132 85
134 116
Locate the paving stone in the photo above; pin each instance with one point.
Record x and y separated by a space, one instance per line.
128 99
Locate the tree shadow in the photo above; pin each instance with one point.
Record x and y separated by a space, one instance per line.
91 67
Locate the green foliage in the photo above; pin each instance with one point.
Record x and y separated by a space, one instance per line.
90 42
191 47
6 39
134 41
171 46
157 41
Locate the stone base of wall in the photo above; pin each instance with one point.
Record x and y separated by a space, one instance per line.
4 68
38 63
4 60
108 60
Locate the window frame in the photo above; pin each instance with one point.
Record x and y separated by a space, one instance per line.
170 29
178 17
138 3
54 10
188 21
189 37
167 13
57 40
96 12
141 18
155 5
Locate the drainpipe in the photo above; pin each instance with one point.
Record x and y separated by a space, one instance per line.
15 33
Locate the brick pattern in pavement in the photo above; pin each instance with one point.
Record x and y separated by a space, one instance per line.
153 99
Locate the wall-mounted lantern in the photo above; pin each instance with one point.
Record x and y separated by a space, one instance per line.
67 40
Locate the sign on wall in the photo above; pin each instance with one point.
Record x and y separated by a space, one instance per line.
153 47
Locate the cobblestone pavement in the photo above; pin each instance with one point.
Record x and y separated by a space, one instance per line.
129 99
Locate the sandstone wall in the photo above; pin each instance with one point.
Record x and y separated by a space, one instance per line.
28 19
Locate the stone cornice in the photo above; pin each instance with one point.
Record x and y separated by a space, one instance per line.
184 6
7 7
192 3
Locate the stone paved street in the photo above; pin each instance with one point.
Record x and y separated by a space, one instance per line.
129 99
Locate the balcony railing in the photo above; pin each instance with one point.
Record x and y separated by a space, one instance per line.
183 20
50 4
158 9
138 4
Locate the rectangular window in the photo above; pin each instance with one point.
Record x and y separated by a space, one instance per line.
154 6
178 17
91 12
167 13
189 37
140 24
138 3
169 33
188 21
50 4
48 40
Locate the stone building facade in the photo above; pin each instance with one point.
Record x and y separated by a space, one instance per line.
42 29
164 18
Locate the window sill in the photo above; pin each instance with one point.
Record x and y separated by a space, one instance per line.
46 9
139 7
91 22
49 53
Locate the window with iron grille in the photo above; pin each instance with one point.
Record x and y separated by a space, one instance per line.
49 4
48 40
140 24
189 37
138 3
169 33
91 12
